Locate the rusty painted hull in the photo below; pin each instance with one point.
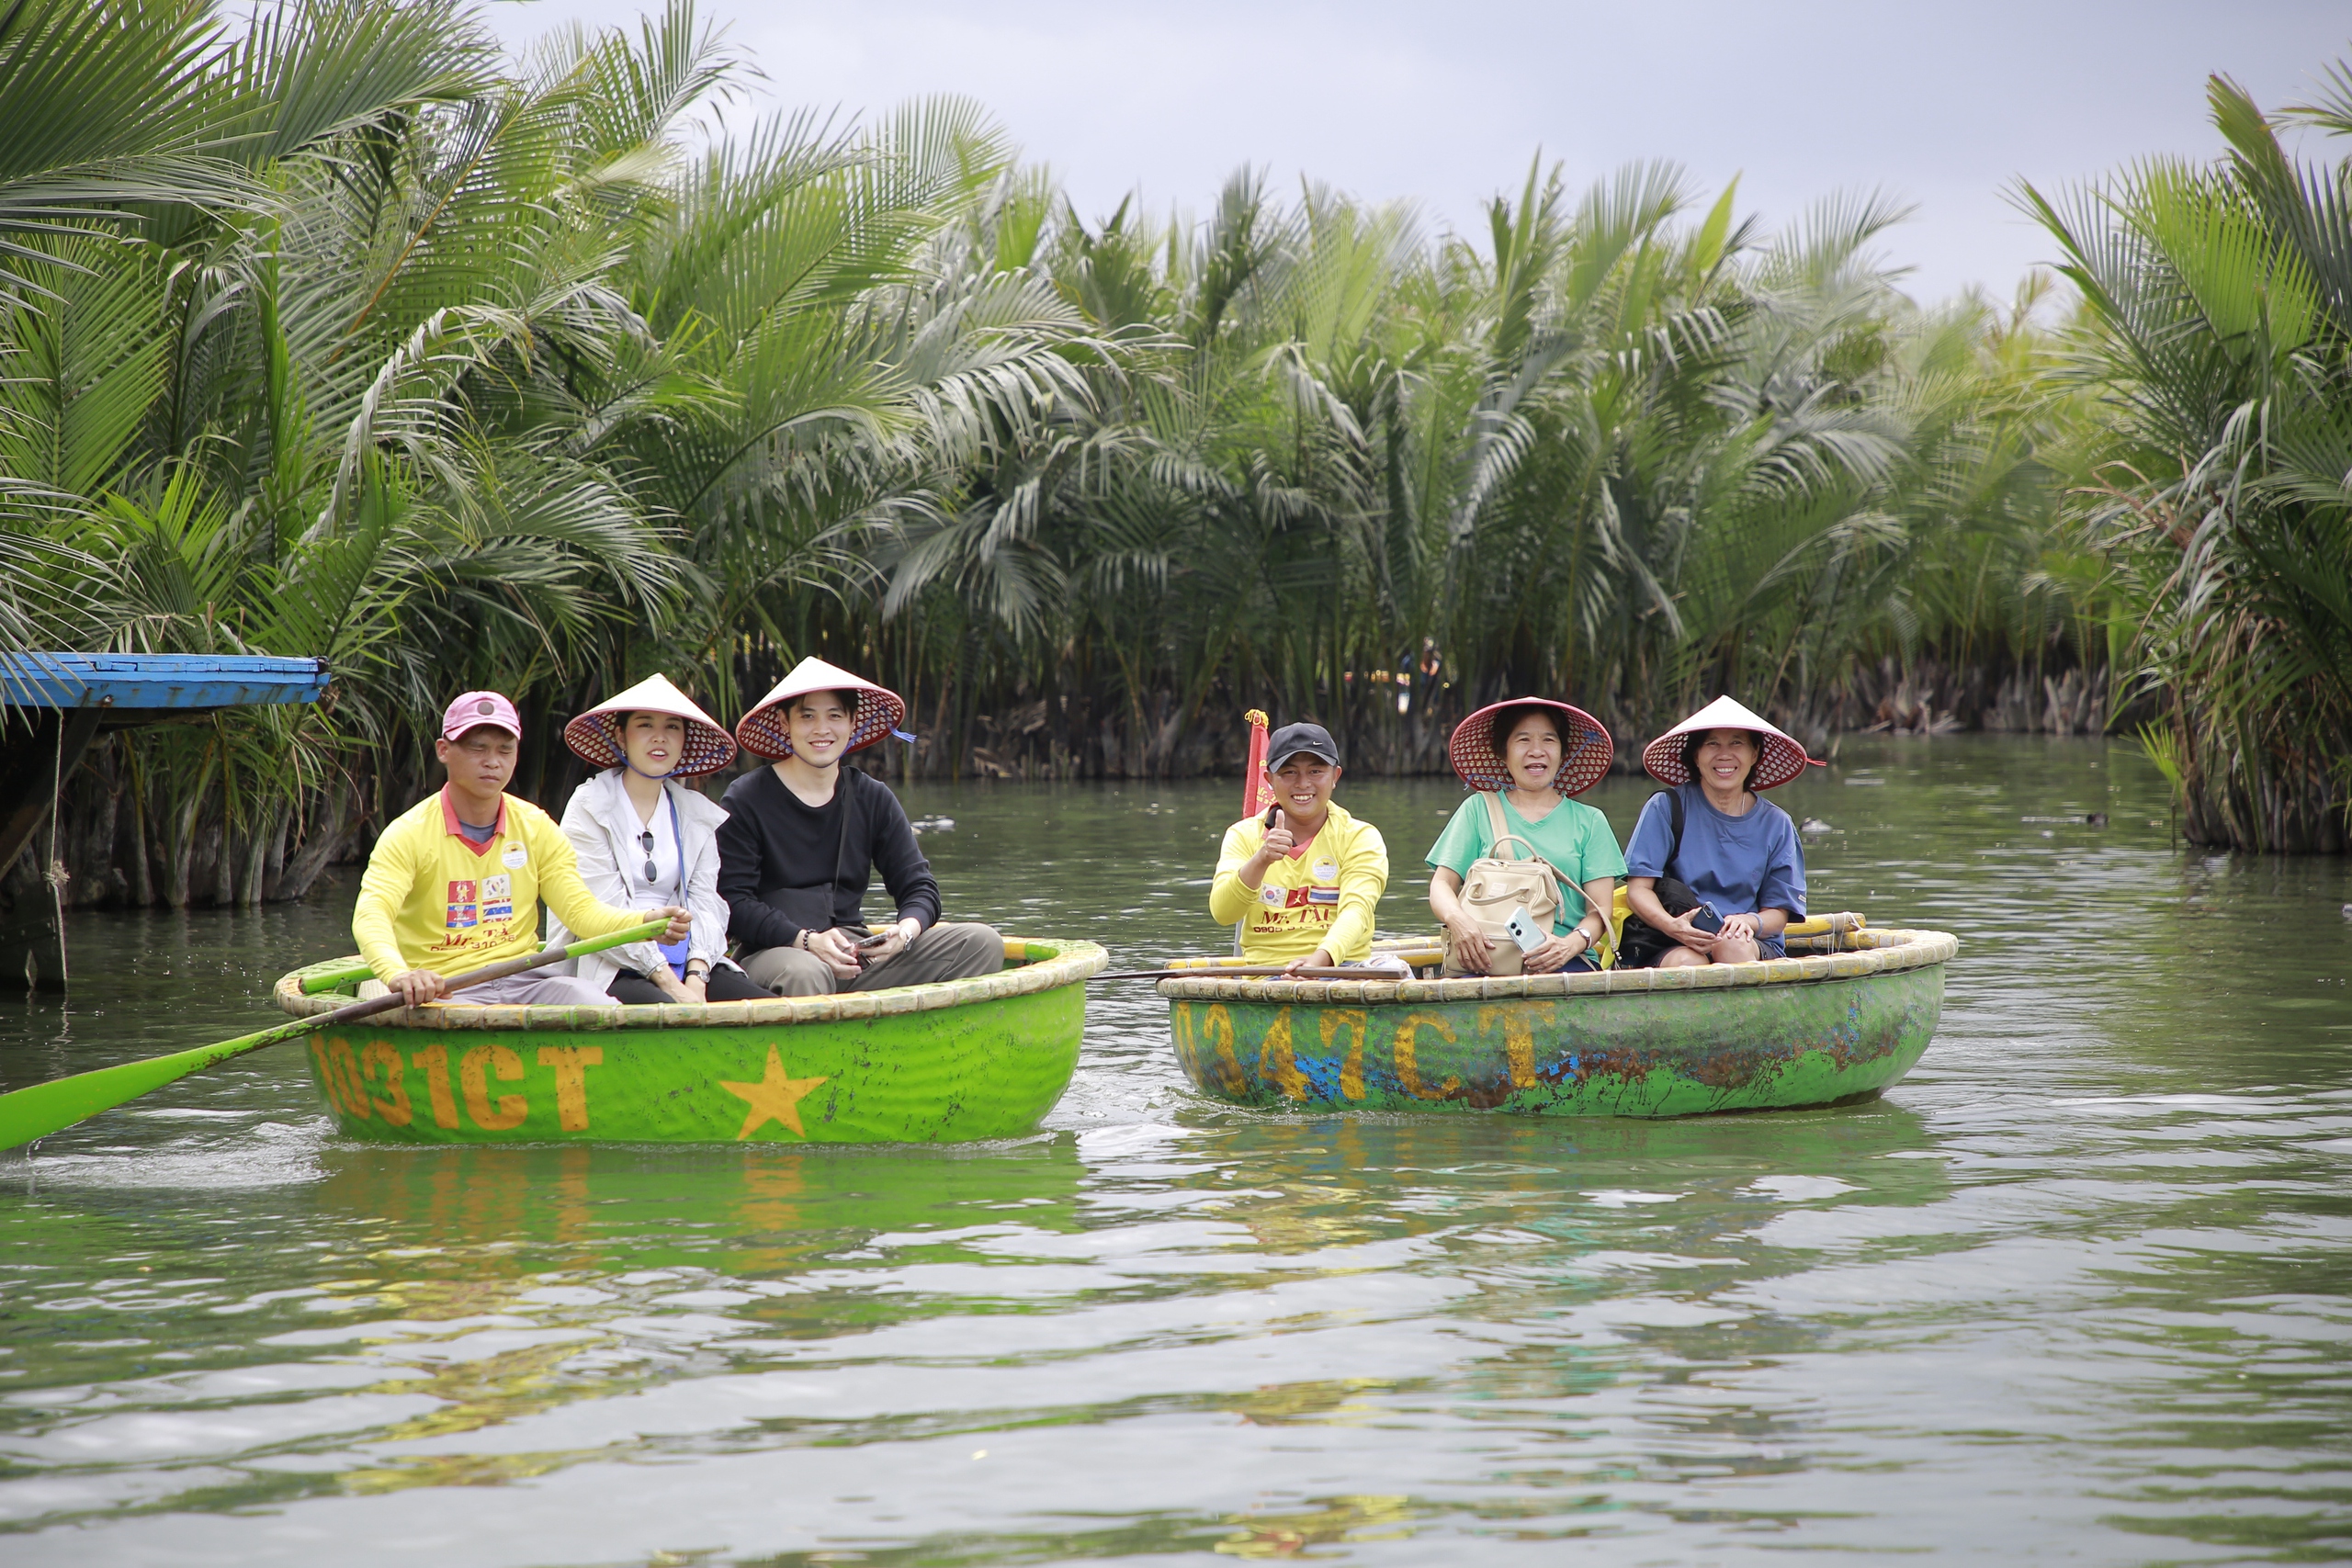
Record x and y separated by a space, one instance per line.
1678 1053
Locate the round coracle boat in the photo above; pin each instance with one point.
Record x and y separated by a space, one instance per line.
1839 1022
954 1062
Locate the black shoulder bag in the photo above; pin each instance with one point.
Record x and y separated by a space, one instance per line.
1642 945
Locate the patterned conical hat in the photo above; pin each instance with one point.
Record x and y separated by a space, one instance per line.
1584 742
595 735
879 710
1781 758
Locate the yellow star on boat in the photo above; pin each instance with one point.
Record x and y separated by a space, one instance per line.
773 1098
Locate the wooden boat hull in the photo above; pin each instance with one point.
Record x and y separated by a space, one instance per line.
1784 1033
958 1062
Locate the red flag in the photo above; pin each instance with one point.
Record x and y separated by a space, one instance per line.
1255 793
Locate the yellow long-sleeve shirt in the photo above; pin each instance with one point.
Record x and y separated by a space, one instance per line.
433 899
1324 898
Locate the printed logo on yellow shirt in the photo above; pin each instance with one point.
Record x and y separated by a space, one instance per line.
515 856
1326 871
498 898
464 909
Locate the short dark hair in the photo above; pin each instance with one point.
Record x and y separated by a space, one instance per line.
848 695
1698 737
1498 733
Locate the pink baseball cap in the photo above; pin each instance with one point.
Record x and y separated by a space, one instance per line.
476 709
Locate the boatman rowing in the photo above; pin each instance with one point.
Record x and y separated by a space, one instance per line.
1303 877
455 883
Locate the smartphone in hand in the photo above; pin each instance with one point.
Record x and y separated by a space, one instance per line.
1706 920
867 945
1525 932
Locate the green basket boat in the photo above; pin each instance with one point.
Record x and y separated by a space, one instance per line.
1812 1028
951 1062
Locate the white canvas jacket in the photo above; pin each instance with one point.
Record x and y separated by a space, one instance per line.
604 829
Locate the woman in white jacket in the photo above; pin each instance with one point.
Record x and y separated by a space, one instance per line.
637 833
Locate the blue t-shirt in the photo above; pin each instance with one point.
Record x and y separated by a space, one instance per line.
1738 864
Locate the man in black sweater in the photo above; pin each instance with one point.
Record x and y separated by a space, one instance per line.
803 837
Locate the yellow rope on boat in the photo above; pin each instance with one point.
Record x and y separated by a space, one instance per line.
1876 951
1051 964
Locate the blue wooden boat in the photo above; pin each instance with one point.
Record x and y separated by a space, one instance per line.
52 705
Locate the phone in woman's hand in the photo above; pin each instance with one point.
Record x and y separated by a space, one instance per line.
1706 920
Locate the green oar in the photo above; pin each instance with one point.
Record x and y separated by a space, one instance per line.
46 1108
335 979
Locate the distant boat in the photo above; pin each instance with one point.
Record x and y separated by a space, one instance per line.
1818 1028
954 1062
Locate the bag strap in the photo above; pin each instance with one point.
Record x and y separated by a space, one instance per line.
677 839
1495 819
1673 798
1496 830
846 780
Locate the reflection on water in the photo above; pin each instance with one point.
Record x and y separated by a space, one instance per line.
2080 1289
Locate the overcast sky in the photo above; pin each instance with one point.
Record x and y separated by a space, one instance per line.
1444 104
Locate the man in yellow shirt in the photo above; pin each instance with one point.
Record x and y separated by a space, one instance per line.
1304 879
455 883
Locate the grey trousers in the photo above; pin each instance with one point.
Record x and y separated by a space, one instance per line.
951 951
530 989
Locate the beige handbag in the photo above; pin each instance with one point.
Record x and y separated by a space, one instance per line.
1496 886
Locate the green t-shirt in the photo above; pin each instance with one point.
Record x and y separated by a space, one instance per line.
1573 836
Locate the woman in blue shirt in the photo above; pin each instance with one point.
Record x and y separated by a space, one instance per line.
1737 854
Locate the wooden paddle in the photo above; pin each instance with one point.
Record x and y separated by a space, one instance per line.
46 1108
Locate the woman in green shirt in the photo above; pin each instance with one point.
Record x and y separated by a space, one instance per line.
1534 753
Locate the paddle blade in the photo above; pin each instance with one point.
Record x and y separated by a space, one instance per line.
46 1108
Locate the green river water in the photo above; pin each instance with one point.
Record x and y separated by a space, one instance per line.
2079 1290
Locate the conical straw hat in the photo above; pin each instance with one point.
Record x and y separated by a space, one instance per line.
1585 746
879 709
1781 758
595 735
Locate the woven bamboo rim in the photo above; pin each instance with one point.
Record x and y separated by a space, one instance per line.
1884 952
1051 964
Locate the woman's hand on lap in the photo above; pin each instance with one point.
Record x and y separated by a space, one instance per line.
1556 953
1470 949
1738 927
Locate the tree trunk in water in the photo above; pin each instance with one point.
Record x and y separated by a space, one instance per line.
183 857
142 881
311 859
256 854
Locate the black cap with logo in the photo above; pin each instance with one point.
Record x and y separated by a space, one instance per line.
1292 739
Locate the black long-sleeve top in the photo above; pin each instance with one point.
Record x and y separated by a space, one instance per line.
783 865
